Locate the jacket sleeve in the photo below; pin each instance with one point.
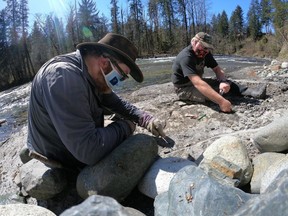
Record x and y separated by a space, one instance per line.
66 96
128 111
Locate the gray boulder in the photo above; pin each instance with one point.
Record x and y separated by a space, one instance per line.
118 173
272 173
40 181
273 137
192 192
101 205
159 175
261 163
227 160
24 210
273 202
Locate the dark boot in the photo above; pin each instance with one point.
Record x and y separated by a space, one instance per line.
258 92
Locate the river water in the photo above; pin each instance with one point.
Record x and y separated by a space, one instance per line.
14 102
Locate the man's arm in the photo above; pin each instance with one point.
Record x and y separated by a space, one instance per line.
224 86
219 73
117 105
210 93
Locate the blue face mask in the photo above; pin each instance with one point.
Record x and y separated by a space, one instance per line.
113 78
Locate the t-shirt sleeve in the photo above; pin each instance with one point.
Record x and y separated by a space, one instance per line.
210 61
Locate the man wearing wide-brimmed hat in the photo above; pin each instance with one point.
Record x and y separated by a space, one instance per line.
69 96
187 76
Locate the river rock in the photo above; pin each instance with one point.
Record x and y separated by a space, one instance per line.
192 193
24 155
158 177
284 65
273 137
273 202
261 163
227 160
101 205
272 172
24 210
117 174
40 181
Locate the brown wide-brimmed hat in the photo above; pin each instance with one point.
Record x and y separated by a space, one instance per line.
122 47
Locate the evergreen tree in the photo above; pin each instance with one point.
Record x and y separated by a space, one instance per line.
236 24
135 22
183 14
167 26
214 24
13 20
280 17
191 8
254 26
26 60
72 29
223 27
53 30
38 43
154 17
115 16
88 21
201 14
167 12
4 49
266 14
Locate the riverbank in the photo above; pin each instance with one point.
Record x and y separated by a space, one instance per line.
193 127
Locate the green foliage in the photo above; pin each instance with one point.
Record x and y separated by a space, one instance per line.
254 26
266 14
223 28
280 11
88 21
115 16
38 43
164 27
236 25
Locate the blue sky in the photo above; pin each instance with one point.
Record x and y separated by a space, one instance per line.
60 7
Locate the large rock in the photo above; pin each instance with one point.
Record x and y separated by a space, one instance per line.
192 193
261 163
272 173
273 202
273 137
227 159
24 210
40 181
158 177
118 173
101 205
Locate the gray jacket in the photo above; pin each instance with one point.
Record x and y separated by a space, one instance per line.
66 114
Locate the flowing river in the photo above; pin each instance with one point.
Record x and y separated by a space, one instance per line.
14 101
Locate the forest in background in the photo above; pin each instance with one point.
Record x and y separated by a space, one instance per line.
161 27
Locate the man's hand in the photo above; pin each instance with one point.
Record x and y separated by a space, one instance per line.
225 106
156 128
224 87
